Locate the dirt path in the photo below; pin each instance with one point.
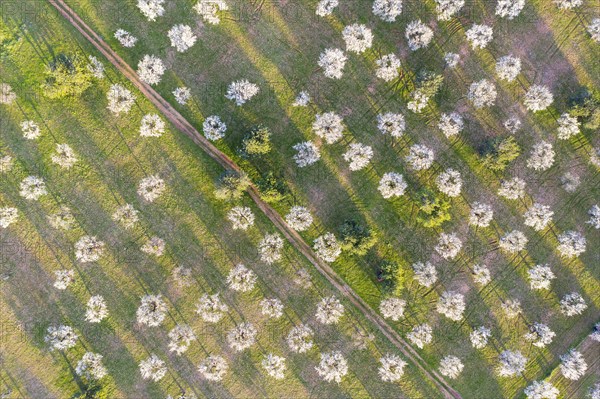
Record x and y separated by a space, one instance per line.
291 235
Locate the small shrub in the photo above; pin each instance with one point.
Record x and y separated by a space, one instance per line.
391 276
356 239
231 186
67 75
587 107
257 142
272 188
502 153
433 211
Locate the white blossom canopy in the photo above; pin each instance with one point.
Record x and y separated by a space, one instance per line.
333 366
387 10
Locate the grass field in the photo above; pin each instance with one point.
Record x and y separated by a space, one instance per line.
189 220
276 45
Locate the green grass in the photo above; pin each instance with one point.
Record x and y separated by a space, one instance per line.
112 159
278 50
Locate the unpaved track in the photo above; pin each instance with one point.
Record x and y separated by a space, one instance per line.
291 235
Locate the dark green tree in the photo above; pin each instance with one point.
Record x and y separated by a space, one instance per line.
231 186
429 83
66 75
501 154
356 239
433 211
391 276
10 39
257 142
272 188
587 107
